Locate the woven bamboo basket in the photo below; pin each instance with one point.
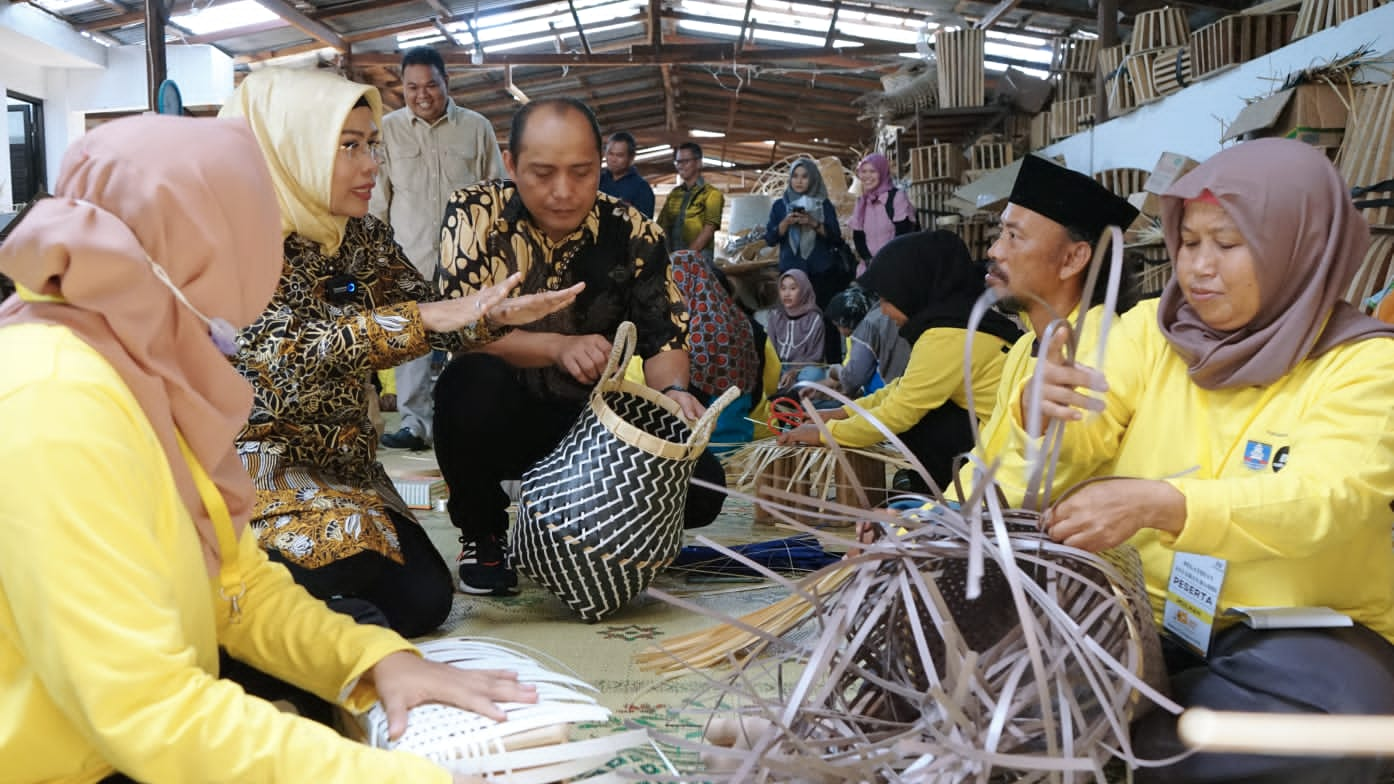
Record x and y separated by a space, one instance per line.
1317 15
602 513
1141 78
533 745
1079 55
1159 28
1237 39
1122 181
936 162
1171 70
1070 117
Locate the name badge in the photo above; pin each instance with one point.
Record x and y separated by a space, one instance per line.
1192 595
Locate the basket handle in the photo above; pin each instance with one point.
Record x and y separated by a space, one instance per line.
620 353
702 429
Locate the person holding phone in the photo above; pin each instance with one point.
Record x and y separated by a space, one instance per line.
803 223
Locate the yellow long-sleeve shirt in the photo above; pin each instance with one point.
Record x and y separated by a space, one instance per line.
996 432
933 377
1290 483
110 624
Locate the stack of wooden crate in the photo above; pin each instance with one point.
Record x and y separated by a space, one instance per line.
1153 32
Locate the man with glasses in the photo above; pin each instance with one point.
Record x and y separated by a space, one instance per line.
432 147
692 213
621 177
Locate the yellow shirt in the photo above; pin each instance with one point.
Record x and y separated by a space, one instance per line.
996 431
933 377
110 624
1290 483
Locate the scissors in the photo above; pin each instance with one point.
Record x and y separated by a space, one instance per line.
786 413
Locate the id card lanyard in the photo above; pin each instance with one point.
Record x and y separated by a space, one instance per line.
230 585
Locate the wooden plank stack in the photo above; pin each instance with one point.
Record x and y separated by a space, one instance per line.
960 56
1317 15
1171 69
1237 39
1367 152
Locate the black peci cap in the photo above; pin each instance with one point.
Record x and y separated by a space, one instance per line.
1069 198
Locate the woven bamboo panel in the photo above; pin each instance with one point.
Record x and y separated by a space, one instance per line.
1158 28
1122 181
1317 15
1139 68
989 155
960 57
1171 69
1375 271
1078 55
1367 152
1068 118
1238 39
936 162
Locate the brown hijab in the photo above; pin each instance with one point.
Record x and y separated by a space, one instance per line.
1307 241
193 194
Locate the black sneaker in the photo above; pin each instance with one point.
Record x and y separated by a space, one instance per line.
404 439
484 568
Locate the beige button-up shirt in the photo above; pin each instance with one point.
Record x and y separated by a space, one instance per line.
424 164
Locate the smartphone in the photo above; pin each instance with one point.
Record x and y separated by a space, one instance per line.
797 209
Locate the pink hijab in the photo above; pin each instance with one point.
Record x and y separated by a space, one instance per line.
195 195
876 196
1307 241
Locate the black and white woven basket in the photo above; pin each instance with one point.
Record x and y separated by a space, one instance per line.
601 514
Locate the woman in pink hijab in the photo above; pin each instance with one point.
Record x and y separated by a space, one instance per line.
883 211
1246 433
127 562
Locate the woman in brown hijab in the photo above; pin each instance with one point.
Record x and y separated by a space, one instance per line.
1247 427
126 560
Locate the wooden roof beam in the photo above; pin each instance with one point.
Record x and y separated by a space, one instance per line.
671 54
311 27
998 11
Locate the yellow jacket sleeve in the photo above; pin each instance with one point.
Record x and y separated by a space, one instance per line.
933 376
108 618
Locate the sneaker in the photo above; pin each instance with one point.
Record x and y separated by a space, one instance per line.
484 568
404 439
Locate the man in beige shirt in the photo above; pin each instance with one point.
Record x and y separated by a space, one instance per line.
432 147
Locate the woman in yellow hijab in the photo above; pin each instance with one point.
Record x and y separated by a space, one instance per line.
348 304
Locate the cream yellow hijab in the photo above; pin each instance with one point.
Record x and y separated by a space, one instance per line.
296 116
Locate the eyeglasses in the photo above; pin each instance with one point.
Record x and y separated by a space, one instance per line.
681 161
354 151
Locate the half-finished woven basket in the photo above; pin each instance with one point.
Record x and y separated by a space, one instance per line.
532 746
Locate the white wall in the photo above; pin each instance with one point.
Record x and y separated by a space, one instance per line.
1192 121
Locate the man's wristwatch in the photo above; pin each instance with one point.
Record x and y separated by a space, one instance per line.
673 388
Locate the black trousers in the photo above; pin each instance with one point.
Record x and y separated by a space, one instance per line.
490 428
1343 670
414 596
938 439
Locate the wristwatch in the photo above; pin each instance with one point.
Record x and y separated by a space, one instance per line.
673 388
